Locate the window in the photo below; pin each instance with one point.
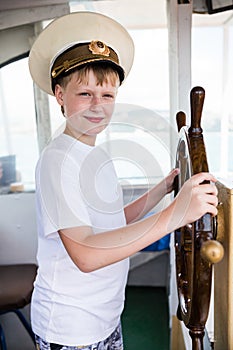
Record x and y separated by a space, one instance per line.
142 115
212 70
18 139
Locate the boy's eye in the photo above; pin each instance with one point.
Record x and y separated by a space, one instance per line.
108 96
105 96
84 94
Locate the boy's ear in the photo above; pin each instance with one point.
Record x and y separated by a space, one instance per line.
59 94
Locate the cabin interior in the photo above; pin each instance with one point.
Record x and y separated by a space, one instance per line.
178 44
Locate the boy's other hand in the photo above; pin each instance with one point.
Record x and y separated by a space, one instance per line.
194 200
169 179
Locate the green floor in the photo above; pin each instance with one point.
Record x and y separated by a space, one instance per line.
145 319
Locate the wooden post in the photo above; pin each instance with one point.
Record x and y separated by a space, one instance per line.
223 271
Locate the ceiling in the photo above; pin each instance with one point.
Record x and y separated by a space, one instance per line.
147 13
17 18
131 13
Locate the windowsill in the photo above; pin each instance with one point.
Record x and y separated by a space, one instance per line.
6 190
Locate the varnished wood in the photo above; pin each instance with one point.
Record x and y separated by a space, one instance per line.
223 272
180 120
193 267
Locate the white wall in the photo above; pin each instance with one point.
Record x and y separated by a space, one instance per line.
18 228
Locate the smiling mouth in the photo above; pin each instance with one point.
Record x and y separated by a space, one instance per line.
95 120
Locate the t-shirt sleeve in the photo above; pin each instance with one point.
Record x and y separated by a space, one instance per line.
60 200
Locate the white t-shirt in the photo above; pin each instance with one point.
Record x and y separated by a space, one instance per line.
76 185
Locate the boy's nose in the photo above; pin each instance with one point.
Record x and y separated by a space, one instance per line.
95 102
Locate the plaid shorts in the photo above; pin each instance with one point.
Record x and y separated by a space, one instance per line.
113 342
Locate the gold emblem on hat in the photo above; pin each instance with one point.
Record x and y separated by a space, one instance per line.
97 47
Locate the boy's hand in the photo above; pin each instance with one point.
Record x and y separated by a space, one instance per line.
169 179
194 200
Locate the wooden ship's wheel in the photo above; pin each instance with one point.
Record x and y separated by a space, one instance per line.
196 248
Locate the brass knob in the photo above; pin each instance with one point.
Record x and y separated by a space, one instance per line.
212 251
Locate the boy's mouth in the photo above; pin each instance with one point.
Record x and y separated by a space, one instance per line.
94 119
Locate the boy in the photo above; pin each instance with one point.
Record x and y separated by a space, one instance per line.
85 234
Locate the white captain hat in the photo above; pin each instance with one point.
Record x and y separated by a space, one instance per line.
76 39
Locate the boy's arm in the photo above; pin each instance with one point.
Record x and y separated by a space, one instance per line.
92 251
137 209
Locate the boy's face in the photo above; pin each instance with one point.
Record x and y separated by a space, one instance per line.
88 107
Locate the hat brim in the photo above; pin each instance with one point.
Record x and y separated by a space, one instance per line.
77 27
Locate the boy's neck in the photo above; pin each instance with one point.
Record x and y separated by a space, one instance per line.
87 139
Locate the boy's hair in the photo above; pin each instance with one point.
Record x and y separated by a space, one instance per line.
103 71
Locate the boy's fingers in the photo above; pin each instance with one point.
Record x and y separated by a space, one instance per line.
212 210
197 179
209 188
212 200
176 171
